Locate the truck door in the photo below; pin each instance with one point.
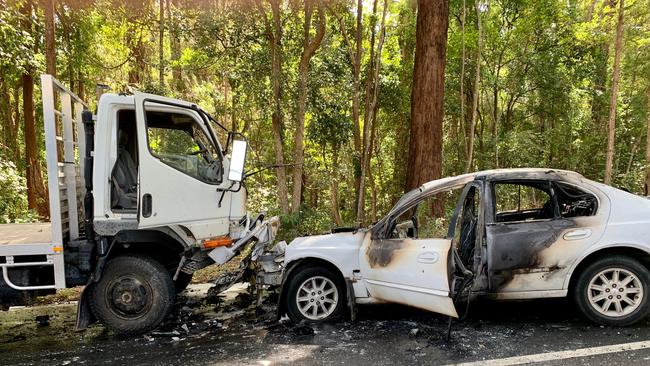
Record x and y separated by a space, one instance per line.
181 167
412 261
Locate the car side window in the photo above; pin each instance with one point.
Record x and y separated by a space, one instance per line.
523 201
573 201
429 218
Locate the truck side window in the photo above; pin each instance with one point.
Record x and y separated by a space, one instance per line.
525 201
574 202
179 141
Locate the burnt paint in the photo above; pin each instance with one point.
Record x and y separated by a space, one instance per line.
380 252
515 247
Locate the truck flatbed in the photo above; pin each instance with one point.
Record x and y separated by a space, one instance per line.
35 233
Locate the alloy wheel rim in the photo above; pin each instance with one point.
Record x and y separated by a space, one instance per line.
317 298
615 292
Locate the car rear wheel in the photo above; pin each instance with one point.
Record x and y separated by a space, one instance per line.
315 294
614 291
134 294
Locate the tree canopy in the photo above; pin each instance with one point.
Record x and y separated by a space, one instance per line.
323 89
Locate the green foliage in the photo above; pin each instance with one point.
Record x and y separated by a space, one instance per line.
13 196
543 97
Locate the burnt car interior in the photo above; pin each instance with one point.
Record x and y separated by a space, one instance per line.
468 222
421 221
574 202
523 201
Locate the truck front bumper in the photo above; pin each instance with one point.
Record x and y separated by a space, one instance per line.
263 232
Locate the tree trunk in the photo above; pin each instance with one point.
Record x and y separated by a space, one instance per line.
647 148
407 45
355 61
360 183
334 186
36 192
616 74
427 108
50 51
356 102
161 44
9 127
175 46
309 48
134 41
274 36
477 80
461 118
372 94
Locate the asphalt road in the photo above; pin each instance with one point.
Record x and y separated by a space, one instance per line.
549 332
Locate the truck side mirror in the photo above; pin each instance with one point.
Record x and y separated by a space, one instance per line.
237 160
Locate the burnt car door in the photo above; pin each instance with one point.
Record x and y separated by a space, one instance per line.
532 233
410 256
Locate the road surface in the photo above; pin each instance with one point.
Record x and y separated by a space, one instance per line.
548 332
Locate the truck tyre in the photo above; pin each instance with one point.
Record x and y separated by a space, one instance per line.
315 295
614 291
133 296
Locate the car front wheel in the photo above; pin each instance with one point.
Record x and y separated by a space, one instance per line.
315 294
614 291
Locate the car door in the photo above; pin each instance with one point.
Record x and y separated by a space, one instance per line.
417 270
532 241
179 159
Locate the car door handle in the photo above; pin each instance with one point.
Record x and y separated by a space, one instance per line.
577 234
428 257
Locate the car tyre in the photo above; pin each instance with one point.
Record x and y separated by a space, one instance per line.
133 296
315 295
614 291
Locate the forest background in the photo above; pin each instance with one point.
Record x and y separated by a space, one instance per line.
354 101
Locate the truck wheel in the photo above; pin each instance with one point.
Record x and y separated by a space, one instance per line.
134 294
315 294
614 291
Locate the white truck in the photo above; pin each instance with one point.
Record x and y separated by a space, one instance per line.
139 200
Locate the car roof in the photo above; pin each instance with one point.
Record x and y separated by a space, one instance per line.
499 174
527 173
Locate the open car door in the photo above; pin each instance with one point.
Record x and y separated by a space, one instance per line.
410 261
414 272
180 166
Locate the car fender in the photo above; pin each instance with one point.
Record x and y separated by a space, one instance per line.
599 247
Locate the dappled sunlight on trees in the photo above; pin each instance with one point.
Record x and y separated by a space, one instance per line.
323 89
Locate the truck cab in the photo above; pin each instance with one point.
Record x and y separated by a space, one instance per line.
142 194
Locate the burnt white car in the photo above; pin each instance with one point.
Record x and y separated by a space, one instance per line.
505 234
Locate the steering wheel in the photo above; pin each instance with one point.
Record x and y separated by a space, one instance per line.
212 172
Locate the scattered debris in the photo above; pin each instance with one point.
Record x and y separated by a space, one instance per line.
43 320
166 334
414 332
